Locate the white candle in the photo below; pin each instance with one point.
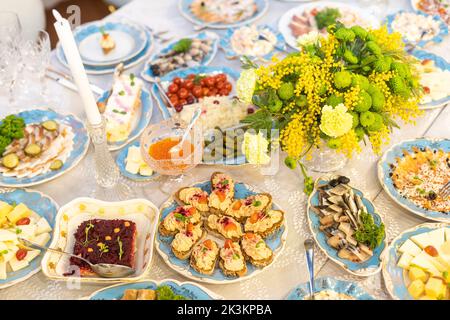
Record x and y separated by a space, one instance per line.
70 48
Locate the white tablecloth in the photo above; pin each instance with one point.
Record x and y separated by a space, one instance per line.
289 269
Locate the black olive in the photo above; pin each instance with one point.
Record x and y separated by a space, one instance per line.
432 195
333 183
343 180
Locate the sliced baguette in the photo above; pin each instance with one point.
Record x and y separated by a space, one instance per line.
230 273
184 255
193 260
194 204
242 218
269 231
221 234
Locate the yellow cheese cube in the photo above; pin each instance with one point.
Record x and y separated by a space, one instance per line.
5 208
427 298
416 288
435 288
416 273
19 212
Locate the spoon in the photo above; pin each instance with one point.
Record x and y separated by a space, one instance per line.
309 248
175 150
104 270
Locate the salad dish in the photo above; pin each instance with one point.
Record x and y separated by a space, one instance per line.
433 7
196 235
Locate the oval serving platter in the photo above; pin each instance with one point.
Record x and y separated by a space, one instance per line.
393 275
230 53
362 269
190 290
147 73
142 119
121 164
276 242
44 206
443 28
80 147
184 8
348 288
440 63
384 170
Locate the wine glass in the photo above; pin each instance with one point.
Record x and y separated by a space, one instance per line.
10 40
156 141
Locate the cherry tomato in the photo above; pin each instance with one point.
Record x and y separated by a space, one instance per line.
223 92
190 99
189 84
21 254
205 91
220 85
174 100
228 86
221 77
179 108
177 80
23 222
183 93
173 88
210 82
183 102
212 92
203 82
197 91
191 76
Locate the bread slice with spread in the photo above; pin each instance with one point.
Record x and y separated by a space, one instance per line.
255 250
231 260
224 226
195 197
264 223
222 193
185 240
204 256
177 220
241 209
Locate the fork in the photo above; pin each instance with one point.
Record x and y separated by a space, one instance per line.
445 190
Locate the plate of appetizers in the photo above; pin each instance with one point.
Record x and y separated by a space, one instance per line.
417 28
416 265
222 14
168 289
314 18
127 109
105 69
346 226
194 50
327 288
131 165
434 77
102 232
220 231
439 7
413 172
39 145
27 214
253 41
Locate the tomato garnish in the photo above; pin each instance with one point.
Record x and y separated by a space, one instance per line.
208 244
23 222
431 251
237 205
228 244
222 196
21 254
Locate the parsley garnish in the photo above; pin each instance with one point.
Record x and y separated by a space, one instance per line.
3 252
121 93
86 232
119 112
369 233
103 248
257 203
183 45
18 231
180 217
120 248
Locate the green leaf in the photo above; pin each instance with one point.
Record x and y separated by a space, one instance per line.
183 45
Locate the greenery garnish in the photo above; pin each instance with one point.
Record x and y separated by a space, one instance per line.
12 127
180 217
327 17
120 248
368 232
183 45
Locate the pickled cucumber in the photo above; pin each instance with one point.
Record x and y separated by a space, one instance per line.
11 161
56 165
50 125
33 150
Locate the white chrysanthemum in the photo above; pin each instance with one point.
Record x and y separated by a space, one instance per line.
254 147
335 122
245 85
309 38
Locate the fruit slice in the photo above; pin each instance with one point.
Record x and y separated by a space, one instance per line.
19 212
416 289
416 273
423 261
422 240
405 261
435 288
437 237
410 247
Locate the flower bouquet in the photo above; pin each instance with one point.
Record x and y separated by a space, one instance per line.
338 91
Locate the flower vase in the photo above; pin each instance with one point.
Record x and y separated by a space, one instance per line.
324 159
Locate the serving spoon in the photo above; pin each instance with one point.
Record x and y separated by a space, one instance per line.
175 150
104 270
309 248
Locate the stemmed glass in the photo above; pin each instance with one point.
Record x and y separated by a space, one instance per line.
10 40
175 169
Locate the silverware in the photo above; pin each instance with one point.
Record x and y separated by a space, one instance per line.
263 37
445 190
200 27
309 248
104 270
66 81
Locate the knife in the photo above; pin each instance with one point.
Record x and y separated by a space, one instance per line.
63 80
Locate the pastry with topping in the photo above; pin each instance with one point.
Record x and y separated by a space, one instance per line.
177 220
184 241
195 197
264 223
231 259
225 226
204 257
161 293
256 250
223 11
222 193
241 209
106 41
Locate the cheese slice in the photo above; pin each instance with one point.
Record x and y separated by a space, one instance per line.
422 261
27 231
132 167
422 240
31 255
410 247
405 260
437 237
3 270
42 226
447 234
5 208
145 170
6 235
41 239
20 211
16 265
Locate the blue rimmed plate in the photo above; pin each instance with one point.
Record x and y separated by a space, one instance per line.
384 170
121 163
276 242
362 269
142 119
440 63
184 8
147 72
347 288
80 147
44 206
394 275
230 53
130 39
137 59
190 290
443 28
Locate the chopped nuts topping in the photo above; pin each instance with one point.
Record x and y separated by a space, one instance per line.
107 238
116 230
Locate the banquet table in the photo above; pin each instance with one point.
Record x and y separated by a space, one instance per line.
286 186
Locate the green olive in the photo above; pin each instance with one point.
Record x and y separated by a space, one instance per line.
11 161
50 125
33 150
56 165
